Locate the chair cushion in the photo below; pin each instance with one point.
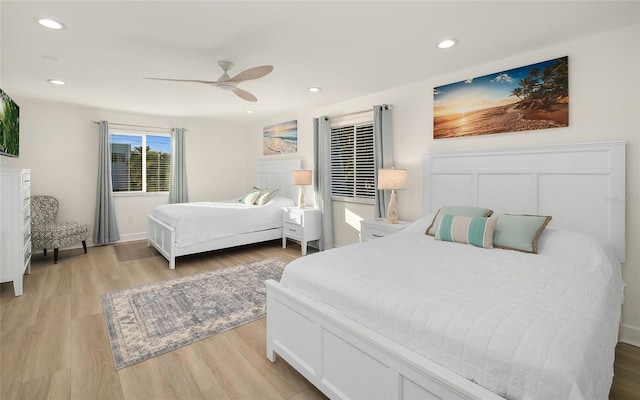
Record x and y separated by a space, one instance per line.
56 235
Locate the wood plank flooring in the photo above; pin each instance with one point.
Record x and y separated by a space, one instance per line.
54 343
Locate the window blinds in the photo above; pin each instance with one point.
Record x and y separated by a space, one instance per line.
352 162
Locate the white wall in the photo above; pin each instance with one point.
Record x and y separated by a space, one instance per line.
604 81
59 143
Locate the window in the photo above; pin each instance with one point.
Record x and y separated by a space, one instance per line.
352 163
130 152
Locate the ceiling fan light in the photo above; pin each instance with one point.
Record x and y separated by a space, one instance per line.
226 85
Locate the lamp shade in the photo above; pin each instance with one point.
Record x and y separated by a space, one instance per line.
392 179
301 177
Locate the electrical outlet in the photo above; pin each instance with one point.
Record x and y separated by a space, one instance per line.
130 219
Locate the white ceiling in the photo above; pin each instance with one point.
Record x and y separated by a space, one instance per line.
349 49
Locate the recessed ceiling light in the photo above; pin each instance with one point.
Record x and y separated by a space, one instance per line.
250 111
447 43
314 89
50 23
56 81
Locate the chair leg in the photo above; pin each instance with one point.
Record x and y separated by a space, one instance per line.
55 256
84 246
45 252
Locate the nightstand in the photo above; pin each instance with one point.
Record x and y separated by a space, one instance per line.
301 224
377 228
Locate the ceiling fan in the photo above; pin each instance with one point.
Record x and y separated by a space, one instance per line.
227 83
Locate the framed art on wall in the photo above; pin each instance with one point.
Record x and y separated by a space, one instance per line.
281 138
532 97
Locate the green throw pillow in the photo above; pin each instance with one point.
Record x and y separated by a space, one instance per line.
519 232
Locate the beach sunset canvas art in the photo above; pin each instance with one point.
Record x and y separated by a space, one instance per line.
532 97
281 138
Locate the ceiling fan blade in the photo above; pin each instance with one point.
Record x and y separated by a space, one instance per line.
243 94
252 73
184 80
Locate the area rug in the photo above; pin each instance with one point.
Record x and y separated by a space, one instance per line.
134 251
150 320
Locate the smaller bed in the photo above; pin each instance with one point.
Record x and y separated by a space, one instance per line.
188 228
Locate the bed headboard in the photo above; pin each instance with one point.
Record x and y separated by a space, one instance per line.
581 185
276 174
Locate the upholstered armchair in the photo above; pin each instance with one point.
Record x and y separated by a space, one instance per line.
46 233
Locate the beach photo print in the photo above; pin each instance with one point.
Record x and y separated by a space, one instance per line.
281 138
521 99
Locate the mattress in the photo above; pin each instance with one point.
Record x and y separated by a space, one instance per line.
524 326
203 221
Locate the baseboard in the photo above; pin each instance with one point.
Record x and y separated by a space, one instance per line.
630 334
130 237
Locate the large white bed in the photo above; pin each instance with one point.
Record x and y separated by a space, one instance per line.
181 229
409 316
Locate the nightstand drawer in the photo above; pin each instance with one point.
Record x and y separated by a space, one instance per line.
294 218
292 230
370 234
377 228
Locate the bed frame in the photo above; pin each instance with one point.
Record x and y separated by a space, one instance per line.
581 185
270 174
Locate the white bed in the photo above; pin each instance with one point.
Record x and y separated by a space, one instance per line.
351 348
181 229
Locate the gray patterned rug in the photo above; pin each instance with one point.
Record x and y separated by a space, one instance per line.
150 320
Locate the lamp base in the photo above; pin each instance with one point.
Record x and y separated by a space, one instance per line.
393 215
301 200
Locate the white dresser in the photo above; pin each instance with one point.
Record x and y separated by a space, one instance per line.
15 226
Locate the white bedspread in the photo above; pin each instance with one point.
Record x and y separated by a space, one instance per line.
203 221
523 326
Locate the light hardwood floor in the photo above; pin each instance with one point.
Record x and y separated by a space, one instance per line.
54 343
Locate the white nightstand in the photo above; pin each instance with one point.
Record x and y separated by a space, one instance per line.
377 228
301 224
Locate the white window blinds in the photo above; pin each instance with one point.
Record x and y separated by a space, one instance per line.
352 163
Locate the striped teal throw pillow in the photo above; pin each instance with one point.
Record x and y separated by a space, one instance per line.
477 231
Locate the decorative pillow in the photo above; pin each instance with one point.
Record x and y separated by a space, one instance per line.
264 196
456 210
250 197
519 232
477 231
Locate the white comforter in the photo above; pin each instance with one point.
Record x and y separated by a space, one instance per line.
523 326
203 221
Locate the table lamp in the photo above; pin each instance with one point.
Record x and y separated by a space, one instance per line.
301 177
392 179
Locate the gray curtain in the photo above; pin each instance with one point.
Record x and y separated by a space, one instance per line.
106 226
178 185
322 178
383 153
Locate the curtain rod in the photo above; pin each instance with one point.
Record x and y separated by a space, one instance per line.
136 126
356 112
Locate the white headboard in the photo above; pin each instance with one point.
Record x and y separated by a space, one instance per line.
581 185
276 174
